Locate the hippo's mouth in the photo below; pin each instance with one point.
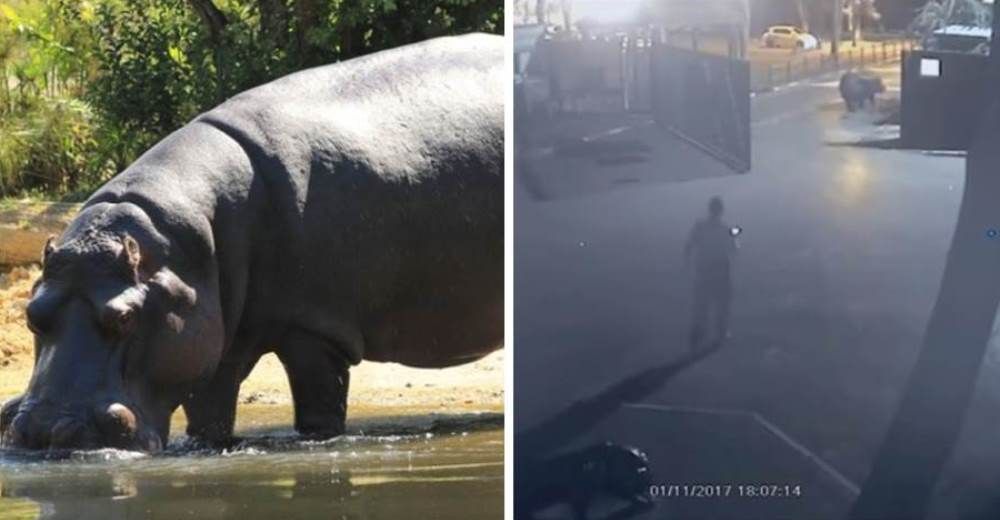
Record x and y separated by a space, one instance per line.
32 426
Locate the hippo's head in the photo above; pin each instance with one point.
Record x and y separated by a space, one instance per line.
120 338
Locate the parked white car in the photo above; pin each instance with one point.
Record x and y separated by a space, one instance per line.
788 37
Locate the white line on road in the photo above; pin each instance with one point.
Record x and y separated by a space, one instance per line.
837 476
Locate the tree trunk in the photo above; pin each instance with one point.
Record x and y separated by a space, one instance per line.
838 23
307 18
858 15
215 21
930 415
212 17
541 11
803 16
274 23
567 13
851 22
352 40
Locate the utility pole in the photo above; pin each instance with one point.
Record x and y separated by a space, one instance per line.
803 16
838 21
566 6
856 16
927 423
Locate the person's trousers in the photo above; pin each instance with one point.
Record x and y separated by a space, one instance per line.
710 310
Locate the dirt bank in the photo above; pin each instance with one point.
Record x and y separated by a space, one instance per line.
26 225
376 388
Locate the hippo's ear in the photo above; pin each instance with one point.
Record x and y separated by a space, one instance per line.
48 249
131 253
169 286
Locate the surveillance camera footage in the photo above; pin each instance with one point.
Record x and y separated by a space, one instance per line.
755 260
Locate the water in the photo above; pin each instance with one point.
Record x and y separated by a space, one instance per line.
438 467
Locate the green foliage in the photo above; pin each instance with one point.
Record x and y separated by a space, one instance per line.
370 25
48 136
51 147
937 14
148 78
89 85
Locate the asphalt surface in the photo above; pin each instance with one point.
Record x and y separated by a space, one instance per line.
840 261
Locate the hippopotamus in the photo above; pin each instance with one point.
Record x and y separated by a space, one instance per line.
343 213
858 88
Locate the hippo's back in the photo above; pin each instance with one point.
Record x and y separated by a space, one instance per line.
383 222
391 108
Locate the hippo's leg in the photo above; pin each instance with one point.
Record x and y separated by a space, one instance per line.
319 376
211 410
7 413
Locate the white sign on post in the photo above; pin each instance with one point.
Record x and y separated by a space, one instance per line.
930 67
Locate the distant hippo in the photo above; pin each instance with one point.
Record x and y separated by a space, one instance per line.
859 88
347 212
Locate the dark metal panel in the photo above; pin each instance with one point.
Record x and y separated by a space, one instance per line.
942 112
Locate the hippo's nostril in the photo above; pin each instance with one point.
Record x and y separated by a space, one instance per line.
65 433
117 422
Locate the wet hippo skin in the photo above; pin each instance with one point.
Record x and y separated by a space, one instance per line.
352 211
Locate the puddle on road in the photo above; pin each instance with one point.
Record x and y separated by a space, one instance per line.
448 466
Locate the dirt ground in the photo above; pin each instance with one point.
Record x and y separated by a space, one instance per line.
376 388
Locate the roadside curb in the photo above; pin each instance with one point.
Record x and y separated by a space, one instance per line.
826 65
834 73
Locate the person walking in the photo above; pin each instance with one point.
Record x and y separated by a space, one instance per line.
712 245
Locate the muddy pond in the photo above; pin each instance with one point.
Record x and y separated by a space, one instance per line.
430 466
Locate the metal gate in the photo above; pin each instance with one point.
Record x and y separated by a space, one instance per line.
705 100
599 75
700 97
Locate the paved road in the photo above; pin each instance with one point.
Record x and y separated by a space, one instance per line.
840 263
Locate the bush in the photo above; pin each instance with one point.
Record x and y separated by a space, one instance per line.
51 146
92 84
148 81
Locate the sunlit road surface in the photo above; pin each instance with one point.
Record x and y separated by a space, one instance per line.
842 252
